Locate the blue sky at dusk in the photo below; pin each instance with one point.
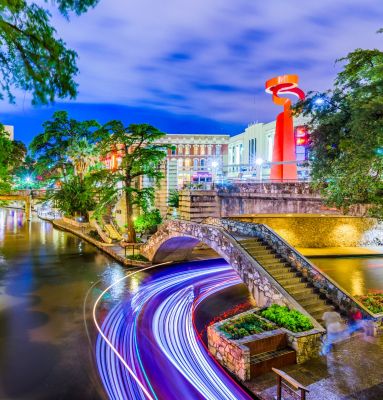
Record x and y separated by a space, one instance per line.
200 66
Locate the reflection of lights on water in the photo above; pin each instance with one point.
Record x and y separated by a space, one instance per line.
357 283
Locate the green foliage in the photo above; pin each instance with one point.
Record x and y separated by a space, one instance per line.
290 319
76 196
373 301
12 154
245 325
140 156
174 199
33 59
137 257
65 147
346 125
148 222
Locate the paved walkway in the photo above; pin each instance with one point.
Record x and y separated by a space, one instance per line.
341 251
352 371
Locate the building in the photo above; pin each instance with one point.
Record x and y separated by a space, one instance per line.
252 150
193 158
10 130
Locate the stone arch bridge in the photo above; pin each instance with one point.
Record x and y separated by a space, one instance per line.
273 271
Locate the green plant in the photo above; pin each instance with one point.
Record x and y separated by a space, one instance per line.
373 301
284 317
75 196
137 257
245 325
94 235
148 222
174 199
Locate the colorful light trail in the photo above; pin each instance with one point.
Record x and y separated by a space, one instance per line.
149 347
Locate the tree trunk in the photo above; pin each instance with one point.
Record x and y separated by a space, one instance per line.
129 214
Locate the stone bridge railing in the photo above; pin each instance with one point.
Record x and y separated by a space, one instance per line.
323 283
175 240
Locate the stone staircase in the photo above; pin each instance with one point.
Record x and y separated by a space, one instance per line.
300 289
267 352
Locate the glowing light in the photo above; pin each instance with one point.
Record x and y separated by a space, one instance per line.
214 164
259 161
163 308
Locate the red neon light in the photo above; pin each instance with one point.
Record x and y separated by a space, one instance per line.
301 141
284 143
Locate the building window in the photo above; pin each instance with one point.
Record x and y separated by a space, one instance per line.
195 164
252 150
180 149
187 163
209 149
218 149
187 149
180 163
202 164
196 149
174 151
202 149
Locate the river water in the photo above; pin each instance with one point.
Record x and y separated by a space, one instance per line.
47 277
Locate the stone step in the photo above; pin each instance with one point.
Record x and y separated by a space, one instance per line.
288 281
282 273
301 294
309 300
318 311
262 363
258 253
274 262
264 258
296 286
279 270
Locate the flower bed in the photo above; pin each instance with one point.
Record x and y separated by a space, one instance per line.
373 301
290 319
245 325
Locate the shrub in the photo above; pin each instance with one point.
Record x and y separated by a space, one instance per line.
147 222
290 319
137 257
373 301
174 199
245 325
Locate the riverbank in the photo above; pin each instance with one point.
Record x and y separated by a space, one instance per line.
113 250
342 251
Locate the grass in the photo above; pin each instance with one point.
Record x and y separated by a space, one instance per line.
137 257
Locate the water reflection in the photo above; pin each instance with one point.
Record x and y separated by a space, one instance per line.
357 275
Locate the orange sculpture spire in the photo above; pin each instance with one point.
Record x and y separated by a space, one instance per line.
284 143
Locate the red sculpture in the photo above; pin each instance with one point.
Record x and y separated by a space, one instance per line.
284 143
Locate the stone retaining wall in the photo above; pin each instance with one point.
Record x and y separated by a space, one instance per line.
231 355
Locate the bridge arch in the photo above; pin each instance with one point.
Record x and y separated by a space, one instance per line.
176 239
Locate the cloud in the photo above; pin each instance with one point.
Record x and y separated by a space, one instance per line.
210 58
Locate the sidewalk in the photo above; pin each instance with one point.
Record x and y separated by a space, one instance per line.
341 251
354 370
113 250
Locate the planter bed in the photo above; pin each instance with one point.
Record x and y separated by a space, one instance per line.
248 344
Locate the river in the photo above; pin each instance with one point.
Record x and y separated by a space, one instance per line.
45 277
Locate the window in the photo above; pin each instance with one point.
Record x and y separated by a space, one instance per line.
202 163
195 164
187 149
202 149
217 149
174 151
209 149
252 150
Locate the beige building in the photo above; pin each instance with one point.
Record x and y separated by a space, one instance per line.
194 158
10 130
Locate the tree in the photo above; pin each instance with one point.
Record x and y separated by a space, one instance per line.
76 196
174 198
12 154
346 126
66 147
32 58
139 154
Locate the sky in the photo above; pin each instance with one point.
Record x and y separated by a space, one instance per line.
199 66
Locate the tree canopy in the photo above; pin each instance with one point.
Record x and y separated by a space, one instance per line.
32 58
12 154
139 153
66 145
346 125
